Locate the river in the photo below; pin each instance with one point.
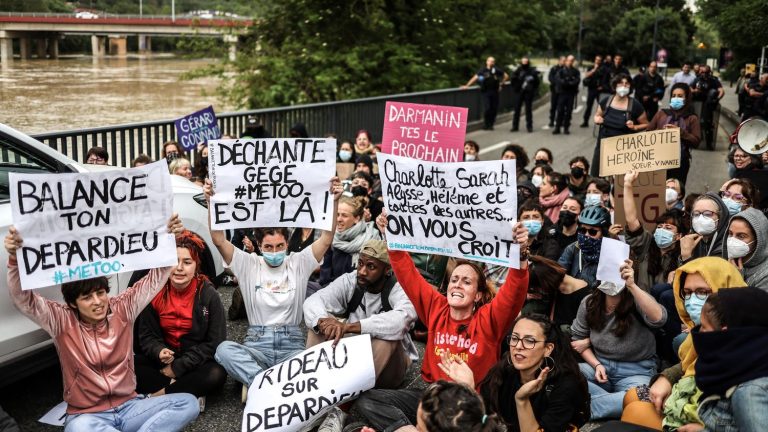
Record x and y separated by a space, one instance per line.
81 92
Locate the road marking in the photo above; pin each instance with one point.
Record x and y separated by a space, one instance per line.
495 147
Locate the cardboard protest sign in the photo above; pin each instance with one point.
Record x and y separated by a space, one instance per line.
81 226
275 182
650 193
644 151
465 210
426 132
198 127
344 170
291 394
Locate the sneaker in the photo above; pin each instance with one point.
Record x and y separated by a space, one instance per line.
334 421
201 402
311 426
244 394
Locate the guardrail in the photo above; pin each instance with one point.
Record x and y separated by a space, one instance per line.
130 16
343 119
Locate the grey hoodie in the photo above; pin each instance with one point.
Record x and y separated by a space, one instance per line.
715 246
755 270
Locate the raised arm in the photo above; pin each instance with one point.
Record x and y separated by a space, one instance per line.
226 249
326 238
653 313
509 300
630 208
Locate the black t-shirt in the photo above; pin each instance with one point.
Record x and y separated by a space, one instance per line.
705 86
614 120
490 79
567 306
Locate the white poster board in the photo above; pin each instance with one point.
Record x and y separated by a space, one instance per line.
275 182
86 225
291 394
464 209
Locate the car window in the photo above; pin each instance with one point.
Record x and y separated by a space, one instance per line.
13 160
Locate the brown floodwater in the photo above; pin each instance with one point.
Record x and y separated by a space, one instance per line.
80 92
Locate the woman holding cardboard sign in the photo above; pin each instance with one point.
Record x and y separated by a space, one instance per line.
468 323
617 114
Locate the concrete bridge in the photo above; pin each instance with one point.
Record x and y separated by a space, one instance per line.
108 32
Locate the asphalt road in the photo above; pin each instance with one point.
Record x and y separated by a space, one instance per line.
27 400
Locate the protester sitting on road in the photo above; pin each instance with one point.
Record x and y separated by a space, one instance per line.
579 176
617 114
471 151
739 194
747 246
568 292
181 167
675 193
172 150
538 173
93 335
615 323
709 221
567 225
671 398
598 194
141 160
680 115
364 143
452 407
180 329
351 233
552 194
346 152
580 258
540 239
543 156
732 365
540 373
743 161
518 153
362 186
273 286
97 156
469 322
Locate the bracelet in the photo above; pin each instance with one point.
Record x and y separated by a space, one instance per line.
599 364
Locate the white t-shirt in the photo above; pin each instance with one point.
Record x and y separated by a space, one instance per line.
273 295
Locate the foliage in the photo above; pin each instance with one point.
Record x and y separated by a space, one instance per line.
631 34
741 24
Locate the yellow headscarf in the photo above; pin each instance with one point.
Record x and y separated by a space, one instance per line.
719 274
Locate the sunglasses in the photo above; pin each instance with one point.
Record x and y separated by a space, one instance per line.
591 231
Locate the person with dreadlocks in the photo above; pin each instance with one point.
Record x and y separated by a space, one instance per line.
178 332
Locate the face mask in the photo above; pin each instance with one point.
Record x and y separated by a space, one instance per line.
533 227
676 103
593 200
622 91
540 162
663 237
671 196
577 172
704 225
733 206
537 180
590 247
345 155
611 289
568 218
737 248
359 191
693 306
469 157
204 161
274 259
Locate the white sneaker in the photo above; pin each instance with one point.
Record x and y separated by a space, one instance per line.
201 402
312 425
334 421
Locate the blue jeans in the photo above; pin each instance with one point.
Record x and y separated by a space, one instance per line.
744 411
607 398
264 347
142 414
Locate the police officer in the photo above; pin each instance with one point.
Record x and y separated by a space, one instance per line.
490 78
568 80
649 89
553 95
754 103
707 92
526 81
613 69
593 81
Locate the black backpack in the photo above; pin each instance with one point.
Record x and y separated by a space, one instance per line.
357 298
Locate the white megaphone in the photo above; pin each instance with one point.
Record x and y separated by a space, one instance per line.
752 136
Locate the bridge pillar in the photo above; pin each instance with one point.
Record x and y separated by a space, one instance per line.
53 47
6 50
41 48
231 41
25 48
118 46
145 44
99 45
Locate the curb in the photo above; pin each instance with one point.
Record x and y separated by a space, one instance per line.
507 116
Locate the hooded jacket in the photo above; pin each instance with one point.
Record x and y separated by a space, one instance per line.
715 245
719 274
755 269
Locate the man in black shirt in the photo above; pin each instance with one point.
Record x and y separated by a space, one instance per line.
707 92
611 71
553 95
649 89
593 81
490 78
526 81
568 80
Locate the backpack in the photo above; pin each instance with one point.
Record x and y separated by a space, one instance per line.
357 298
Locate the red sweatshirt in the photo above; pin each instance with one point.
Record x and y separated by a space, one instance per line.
480 337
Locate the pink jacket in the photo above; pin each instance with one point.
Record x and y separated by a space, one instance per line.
96 360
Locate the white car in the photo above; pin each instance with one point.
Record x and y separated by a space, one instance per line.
86 15
25 347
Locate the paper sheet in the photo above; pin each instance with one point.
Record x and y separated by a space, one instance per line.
612 256
56 416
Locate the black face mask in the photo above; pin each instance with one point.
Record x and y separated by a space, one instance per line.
577 172
359 191
204 161
568 218
541 162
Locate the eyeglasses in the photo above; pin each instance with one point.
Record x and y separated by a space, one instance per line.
733 196
700 294
591 231
528 341
705 213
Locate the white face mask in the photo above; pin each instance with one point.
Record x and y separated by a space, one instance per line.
704 225
469 157
537 180
737 248
611 289
622 91
671 196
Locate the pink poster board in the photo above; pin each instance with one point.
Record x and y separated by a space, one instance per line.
427 132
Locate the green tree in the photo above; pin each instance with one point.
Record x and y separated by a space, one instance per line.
741 24
633 34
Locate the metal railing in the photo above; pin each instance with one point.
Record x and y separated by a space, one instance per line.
99 14
343 118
